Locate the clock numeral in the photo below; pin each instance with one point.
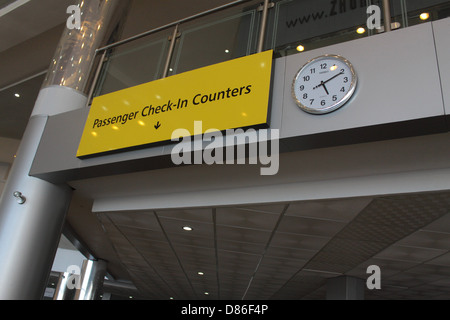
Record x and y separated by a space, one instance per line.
345 79
323 66
302 87
305 96
313 70
311 101
342 89
306 78
323 102
334 98
342 70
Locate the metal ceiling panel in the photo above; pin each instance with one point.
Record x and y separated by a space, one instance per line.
286 251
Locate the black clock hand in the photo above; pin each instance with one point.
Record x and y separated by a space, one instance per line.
337 75
322 84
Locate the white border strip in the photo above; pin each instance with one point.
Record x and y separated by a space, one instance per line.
365 186
12 7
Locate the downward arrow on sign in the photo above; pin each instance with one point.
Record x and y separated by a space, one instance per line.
158 125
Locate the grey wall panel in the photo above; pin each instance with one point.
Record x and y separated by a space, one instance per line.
441 30
398 81
56 158
399 87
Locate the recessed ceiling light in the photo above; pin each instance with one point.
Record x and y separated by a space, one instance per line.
187 228
206 293
360 30
200 273
424 16
227 51
300 48
17 95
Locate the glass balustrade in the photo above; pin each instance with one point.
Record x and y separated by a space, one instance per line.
301 25
133 63
406 13
217 39
293 26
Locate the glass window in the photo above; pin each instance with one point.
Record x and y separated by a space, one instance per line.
300 25
132 64
209 41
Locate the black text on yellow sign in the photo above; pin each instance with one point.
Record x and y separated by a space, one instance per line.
227 95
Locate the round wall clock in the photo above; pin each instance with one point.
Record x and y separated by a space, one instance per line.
324 84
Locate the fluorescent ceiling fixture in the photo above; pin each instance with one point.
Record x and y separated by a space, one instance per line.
12 6
187 228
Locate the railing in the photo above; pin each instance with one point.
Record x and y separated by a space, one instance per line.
245 27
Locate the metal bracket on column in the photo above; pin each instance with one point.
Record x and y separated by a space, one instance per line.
176 36
20 198
269 6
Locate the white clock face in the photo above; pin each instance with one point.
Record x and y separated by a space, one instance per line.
324 84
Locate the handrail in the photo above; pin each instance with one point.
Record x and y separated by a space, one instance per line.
172 24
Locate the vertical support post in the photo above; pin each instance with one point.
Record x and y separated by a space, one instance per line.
170 53
263 26
345 288
32 211
92 278
96 76
387 15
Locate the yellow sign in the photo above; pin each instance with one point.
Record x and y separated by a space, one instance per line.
226 95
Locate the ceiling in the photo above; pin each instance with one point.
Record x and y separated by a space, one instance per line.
15 111
287 251
29 19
